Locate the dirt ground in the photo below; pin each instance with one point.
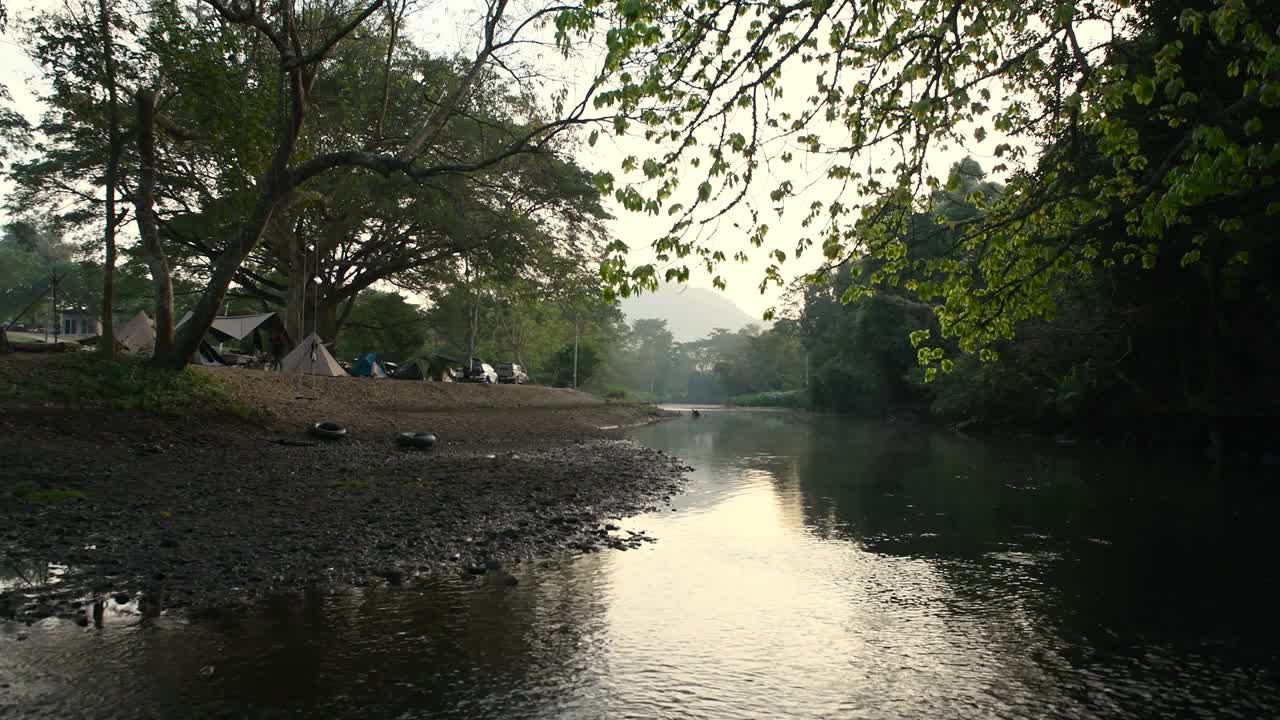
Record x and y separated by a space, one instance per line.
507 413
205 510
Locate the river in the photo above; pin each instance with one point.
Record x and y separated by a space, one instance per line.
816 567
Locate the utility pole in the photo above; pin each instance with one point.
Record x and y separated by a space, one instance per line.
576 331
57 320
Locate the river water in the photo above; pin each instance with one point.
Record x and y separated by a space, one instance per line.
817 567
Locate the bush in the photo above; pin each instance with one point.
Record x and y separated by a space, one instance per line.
89 380
616 392
772 398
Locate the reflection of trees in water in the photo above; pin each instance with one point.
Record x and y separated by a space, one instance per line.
725 435
379 652
18 573
1075 548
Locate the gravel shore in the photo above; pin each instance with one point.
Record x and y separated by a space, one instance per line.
206 511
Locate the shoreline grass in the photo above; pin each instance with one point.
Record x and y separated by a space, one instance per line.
88 380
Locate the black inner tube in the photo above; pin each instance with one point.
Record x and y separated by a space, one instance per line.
416 439
328 430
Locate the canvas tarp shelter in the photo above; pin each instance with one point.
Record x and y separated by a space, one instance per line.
229 328
265 333
233 328
311 358
139 334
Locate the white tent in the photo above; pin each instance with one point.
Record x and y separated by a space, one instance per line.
139 334
311 358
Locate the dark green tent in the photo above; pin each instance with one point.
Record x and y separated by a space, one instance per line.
431 367
415 369
440 364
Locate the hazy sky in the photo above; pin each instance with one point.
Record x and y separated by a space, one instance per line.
454 30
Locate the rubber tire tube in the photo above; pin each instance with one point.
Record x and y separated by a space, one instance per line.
420 441
327 430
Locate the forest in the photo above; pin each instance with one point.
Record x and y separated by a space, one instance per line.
1039 216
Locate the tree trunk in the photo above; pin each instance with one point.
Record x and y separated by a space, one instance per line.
326 320
395 16
44 347
344 314
107 346
1211 404
473 322
576 332
225 267
276 183
474 332
4 342
148 229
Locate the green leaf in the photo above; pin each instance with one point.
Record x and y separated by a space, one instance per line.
1144 90
591 140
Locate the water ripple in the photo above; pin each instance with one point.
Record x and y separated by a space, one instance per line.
813 570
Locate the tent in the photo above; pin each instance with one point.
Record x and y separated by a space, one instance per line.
311 358
139 334
367 365
415 369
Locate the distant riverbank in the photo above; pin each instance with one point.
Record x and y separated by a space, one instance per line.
200 507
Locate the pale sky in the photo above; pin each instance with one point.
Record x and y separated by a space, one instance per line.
453 29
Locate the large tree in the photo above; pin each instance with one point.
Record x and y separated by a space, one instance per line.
282 67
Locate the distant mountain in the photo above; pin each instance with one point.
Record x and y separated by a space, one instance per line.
691 312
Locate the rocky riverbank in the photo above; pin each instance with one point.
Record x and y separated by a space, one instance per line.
200 511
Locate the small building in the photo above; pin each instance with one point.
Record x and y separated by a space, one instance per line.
79 322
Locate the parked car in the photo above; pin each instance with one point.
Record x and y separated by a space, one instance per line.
481 373
512 373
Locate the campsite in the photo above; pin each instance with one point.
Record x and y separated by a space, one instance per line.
704 359
261 342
